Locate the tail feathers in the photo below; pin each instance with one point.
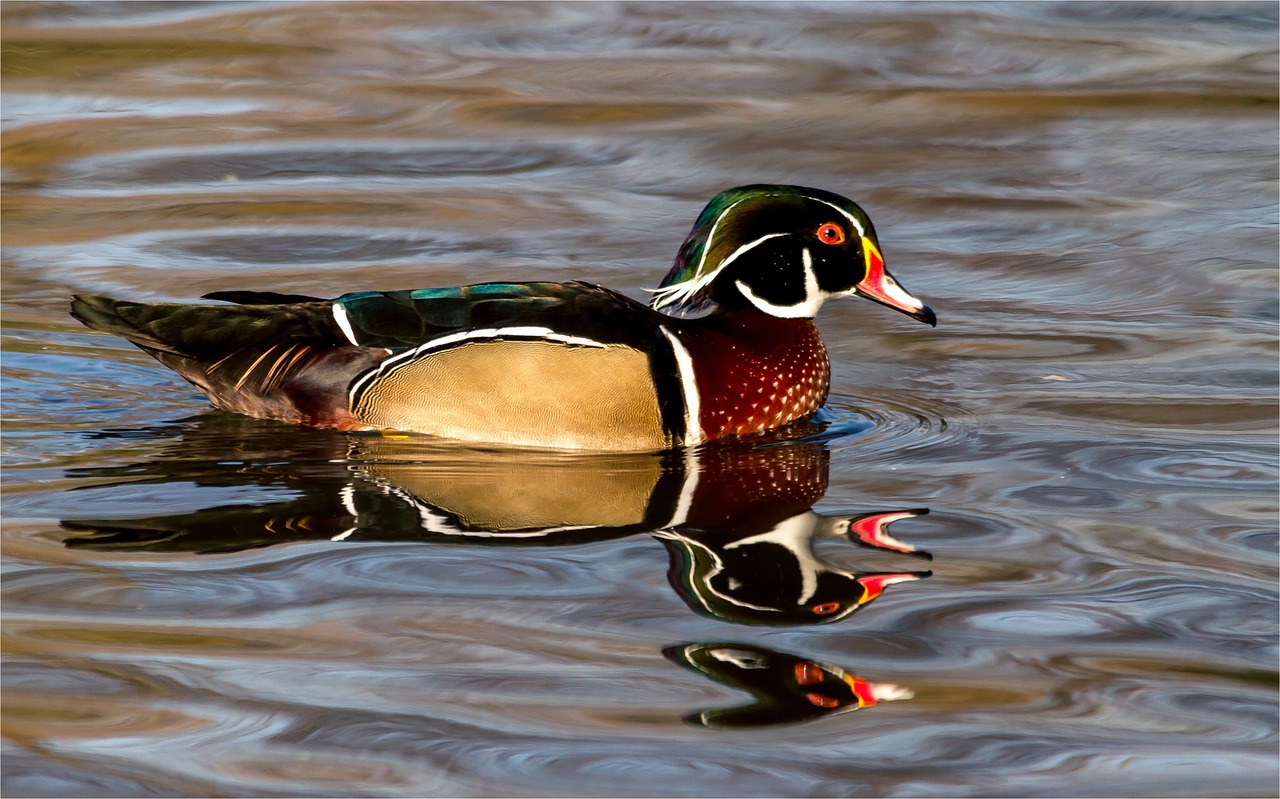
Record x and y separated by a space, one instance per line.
276 361
209 331
227 528
129 320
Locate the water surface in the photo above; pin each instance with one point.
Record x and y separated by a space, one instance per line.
197 604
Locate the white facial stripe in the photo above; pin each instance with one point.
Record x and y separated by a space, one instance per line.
745 248
804 310
542 333
680 292
738 657
708 580
814 296
344 322
684 291
692 401
711 237
852 220
795 535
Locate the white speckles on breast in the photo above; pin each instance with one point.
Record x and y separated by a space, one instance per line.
794 370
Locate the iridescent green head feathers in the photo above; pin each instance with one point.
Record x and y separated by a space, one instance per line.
783 250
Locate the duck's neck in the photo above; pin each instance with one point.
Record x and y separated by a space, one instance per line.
755 372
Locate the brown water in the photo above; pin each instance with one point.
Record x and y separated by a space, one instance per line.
197 604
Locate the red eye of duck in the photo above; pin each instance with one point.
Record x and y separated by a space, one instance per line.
830 233
818 700
826 608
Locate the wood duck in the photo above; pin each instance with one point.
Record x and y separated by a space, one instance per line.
726 347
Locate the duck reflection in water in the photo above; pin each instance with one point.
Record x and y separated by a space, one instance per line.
736 519
786 689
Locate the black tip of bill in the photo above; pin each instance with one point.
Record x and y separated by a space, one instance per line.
926 315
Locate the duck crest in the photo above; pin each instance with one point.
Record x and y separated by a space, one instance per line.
715 241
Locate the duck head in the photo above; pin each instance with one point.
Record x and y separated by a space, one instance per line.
785 688
783 250
774 576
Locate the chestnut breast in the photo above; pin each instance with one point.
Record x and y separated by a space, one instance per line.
755 372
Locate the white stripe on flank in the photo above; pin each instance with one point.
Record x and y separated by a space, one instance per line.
349 502
542 333
691 474
354 391
436 522
545 333
348 495
344 322
689 387
814 296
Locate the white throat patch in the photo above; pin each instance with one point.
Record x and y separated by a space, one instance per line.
807 308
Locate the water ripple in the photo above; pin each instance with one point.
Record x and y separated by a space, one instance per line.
253 168
1084 192
899 428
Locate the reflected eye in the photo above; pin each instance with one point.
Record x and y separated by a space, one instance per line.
826 608
808 673
818 700
830 233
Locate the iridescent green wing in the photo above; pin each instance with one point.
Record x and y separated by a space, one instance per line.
397 319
